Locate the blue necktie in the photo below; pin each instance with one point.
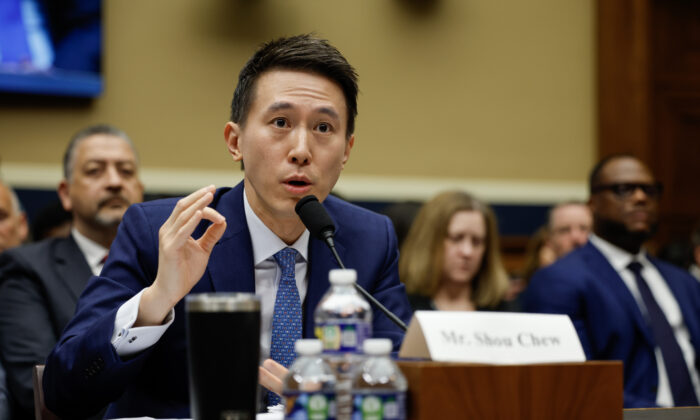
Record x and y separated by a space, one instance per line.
286 319
676 368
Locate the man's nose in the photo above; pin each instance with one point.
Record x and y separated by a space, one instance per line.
114 177
639 195
300 153
580 236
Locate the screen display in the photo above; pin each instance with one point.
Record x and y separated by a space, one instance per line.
51 47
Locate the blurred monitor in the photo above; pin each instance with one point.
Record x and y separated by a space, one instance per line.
51 47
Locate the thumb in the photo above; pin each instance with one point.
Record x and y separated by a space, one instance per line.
212 236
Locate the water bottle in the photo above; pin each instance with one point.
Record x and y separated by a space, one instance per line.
378 386
343 322
309 387
343 317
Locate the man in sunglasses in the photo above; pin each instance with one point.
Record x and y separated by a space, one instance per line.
626 305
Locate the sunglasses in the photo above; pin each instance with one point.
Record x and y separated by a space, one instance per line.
625 190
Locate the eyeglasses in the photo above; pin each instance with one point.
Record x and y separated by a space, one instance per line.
625 190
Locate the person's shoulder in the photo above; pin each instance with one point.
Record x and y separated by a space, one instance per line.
34 260
574 261
168 203
35 251
341 208
672 272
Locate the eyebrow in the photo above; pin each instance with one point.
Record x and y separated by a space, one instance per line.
277 106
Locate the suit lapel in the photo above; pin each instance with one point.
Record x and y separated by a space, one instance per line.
230 266
606 273
71 267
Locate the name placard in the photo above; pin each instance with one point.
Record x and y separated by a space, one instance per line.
492 337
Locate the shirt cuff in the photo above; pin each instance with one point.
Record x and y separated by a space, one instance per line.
127 340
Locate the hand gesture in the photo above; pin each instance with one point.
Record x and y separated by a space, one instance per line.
181 259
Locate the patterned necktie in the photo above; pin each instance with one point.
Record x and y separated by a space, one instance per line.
676 368
286 319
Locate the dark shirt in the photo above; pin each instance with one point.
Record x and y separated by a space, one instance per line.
424 303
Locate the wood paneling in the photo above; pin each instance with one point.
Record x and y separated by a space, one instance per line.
649 98
591 390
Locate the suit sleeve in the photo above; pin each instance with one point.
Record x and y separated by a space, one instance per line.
26 329
84 372
388 290
557 291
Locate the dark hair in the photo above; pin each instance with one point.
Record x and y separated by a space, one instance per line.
302 52
594 177
69 155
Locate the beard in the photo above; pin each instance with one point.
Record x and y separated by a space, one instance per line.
619 234
109 217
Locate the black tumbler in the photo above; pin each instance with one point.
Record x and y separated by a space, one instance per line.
223 347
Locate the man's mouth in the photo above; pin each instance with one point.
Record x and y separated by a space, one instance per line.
297 185
114 202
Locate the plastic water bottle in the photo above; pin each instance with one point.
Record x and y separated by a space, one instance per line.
378 386
343 322
343 317
309 387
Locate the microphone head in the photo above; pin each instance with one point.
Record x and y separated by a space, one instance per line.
315 217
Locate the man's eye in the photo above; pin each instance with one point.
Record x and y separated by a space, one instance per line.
324 128
280 122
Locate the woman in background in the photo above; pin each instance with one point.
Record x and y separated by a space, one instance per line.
451 258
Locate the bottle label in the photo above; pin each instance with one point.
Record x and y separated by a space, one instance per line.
340 337
310 406
374 406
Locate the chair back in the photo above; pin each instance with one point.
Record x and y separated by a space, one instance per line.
40 410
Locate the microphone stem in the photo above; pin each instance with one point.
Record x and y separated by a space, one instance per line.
366 294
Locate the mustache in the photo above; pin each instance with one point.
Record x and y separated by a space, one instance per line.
118 198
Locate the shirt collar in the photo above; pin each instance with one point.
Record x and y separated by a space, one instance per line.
618 257
265 242
93 252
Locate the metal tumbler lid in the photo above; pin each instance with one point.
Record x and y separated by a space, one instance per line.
222 302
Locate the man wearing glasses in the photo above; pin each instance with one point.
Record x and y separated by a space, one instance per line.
626 305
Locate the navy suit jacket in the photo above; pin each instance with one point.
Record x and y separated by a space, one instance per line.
84 371
607 318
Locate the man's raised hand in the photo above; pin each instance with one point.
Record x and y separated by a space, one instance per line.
181 258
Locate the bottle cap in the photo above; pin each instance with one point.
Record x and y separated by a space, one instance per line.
308 346
342 276
377 346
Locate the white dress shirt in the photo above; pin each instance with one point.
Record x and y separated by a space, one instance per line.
267 279
620 259
94 253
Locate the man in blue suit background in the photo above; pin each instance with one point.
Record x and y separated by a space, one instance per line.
292 123
624 304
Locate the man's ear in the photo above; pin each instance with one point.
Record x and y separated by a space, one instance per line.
232 137
64 196
23 227
348 147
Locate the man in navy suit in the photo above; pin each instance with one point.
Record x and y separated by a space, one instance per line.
624 304
292 125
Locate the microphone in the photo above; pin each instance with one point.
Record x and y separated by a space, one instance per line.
316 219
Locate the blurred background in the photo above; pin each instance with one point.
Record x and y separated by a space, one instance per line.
513 101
